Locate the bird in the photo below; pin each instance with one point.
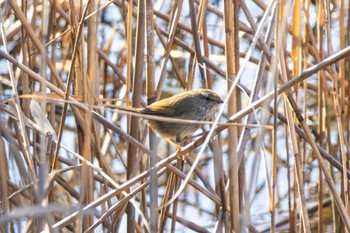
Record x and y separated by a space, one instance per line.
198 105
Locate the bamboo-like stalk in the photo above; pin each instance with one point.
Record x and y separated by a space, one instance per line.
297 158
22 133
136 102
172 29
337 113
232 63
150 89
4 176
196 31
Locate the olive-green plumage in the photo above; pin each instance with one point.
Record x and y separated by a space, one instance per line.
199 105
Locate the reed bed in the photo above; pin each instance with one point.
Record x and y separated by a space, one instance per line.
275 159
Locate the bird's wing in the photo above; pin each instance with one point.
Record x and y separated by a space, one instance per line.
159 110
169 108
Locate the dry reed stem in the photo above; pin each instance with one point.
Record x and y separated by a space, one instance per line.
106 164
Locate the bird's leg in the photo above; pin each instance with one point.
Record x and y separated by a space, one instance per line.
177 146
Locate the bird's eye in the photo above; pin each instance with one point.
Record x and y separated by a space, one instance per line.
207 98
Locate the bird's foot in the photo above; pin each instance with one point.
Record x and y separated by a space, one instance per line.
178 153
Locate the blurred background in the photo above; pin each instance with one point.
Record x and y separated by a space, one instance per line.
71 161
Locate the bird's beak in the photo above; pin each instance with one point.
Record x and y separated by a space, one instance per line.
220 101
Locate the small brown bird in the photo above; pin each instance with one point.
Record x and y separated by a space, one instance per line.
198 105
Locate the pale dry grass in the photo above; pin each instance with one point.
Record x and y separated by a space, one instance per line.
277 159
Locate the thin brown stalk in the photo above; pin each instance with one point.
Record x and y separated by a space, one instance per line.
87 63
172 30
337 111
232 63
150 87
